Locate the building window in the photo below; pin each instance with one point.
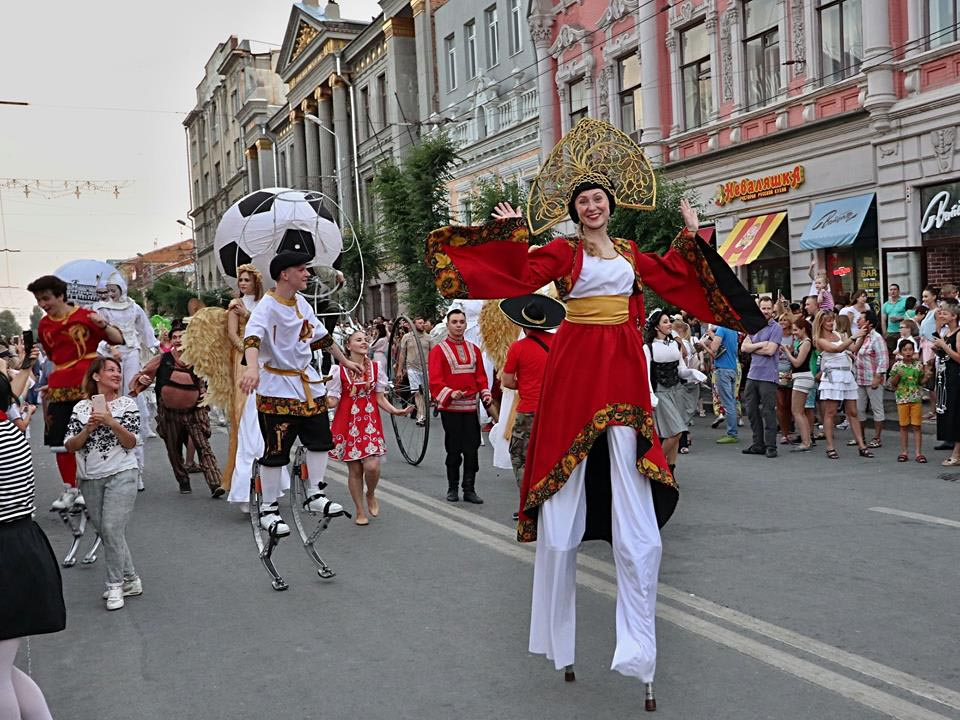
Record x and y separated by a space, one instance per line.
841 39
470 48
229 166
577 97
382 94
631 108
203 137
516 27
450 51
206 186
942 22
282 180
237 154
761 50
234 104
197 200
214 125
493 36
695 72
364 112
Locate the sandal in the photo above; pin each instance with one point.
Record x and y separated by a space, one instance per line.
902 457
875 443
833 454
950 462
851 443
864 452
921 459
819 436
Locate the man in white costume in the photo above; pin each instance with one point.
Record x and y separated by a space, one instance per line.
139 345
282 333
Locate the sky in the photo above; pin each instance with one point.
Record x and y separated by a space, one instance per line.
109 83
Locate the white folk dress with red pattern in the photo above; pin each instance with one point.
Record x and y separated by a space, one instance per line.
357 430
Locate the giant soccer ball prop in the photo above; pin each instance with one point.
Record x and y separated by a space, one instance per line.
274 220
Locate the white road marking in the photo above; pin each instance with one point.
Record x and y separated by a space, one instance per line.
917 516
453 519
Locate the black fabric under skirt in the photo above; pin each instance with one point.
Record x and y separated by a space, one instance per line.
31 590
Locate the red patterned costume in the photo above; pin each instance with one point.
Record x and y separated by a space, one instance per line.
457 366
71 344
604 363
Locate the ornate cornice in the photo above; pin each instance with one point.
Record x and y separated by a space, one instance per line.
264 144
398 27
305 35
568 35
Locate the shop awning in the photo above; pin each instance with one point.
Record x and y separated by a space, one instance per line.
748 238
836 223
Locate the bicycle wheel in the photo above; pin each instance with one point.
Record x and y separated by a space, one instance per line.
412 431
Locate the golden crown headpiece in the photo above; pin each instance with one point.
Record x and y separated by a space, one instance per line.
593 152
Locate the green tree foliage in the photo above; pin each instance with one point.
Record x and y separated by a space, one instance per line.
137 296
35 316
8 324
360 261
654 230
218 297
169 295
413 201
487 193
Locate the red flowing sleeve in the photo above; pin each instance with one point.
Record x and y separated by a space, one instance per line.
692 276
493 260
437 377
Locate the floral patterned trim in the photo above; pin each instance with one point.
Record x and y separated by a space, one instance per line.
251 341
565 284
323 343
613 414
287 406
447 278
65 394
686 244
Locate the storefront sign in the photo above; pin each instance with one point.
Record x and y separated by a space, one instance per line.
941 215
841 271
760 187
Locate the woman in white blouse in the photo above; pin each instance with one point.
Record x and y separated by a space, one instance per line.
103 431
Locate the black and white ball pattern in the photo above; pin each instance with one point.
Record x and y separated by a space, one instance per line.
274 220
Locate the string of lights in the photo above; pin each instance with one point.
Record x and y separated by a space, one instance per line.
55 189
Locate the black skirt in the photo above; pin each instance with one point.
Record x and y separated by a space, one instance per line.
31 591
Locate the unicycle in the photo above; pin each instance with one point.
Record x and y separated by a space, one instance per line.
412 433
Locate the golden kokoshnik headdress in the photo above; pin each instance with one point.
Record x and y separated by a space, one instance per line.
597 153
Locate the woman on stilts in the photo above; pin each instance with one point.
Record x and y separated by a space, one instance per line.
357 430
595 467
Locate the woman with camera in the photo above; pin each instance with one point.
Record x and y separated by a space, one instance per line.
103 432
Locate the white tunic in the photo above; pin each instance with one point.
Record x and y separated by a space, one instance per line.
603 277
286 329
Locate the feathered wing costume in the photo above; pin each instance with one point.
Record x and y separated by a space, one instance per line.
205 344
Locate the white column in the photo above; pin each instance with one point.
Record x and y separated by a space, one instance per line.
311 143
299 160
649 51
253 169
341 124
265 161
713 41
676 83
328 156
878 65
540 29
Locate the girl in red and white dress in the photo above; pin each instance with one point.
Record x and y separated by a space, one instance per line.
357 430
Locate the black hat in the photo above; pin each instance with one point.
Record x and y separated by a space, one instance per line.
583 187
286 260
178 325
536 312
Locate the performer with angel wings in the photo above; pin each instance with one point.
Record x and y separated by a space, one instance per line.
595 467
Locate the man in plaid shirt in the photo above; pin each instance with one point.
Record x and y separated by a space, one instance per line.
870 367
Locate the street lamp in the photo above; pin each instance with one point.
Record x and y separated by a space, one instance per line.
196 253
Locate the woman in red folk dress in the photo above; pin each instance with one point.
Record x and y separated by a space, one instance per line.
356 429
595 467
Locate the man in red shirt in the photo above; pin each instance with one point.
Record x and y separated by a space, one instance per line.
525 366
457 382
69 336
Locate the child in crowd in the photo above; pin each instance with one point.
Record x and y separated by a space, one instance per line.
824 296
907 377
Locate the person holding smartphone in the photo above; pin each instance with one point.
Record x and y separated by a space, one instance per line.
103 431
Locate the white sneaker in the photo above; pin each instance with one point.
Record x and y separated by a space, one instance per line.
151 433
245 508
65 501
270 517
843 426
129 587
140 486
321 504
114 596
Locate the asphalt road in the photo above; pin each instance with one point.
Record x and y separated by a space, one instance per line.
791 588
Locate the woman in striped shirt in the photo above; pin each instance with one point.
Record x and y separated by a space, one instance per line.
31 592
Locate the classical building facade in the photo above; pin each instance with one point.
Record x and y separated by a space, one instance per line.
487 88
811 129
234 98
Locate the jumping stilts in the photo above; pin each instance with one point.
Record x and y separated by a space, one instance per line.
568 674
265 548
300 499
75 517
649 701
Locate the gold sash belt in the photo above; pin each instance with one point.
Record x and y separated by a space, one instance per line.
304 379
88 356
599 310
